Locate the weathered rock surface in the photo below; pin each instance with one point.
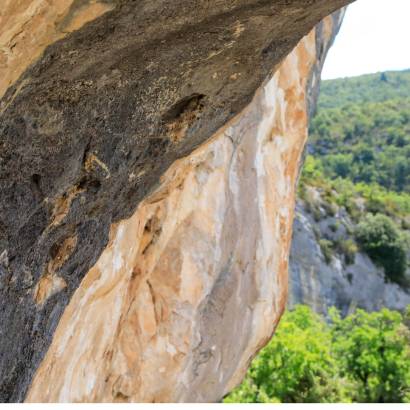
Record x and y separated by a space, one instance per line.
123 277
313 281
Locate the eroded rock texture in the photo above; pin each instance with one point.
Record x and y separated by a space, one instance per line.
147 191
321 285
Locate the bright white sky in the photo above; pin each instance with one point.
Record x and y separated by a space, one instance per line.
375 36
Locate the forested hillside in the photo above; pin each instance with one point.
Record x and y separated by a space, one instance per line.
362 129
360 160
363 358
366 88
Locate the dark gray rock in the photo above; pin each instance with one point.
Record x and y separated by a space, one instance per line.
99 106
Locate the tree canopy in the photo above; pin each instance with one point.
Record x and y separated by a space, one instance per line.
364 357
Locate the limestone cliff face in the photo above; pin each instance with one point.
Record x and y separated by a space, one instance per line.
148 184
28 27
320 284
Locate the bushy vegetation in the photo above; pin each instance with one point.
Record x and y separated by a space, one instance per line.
383 219
349 249
344 192
364 357
385 244
326 247
373 352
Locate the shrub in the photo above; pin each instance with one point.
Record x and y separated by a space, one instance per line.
326 247
312 208
405 223
349 249
330 208
383 242
334 226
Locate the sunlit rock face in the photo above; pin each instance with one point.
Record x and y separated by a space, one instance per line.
149 156
193 284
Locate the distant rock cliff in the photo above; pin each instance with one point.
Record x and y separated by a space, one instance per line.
149 154
322 280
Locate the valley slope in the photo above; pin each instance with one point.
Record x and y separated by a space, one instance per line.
356 177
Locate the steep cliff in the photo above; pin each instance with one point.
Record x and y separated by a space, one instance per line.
149 156
357 167
345 282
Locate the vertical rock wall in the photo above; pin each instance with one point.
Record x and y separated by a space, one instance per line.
193 284
322 284
147 190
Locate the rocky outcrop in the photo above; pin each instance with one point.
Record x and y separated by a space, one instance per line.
346 284
147 188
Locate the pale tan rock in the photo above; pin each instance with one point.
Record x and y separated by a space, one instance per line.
27 27
193 284
48 285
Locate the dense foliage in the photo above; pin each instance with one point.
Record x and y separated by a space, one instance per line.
362 129
384 243
364 357
374 88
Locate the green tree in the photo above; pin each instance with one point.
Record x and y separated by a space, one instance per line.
384 243
295 367
340 164
373 352
364 357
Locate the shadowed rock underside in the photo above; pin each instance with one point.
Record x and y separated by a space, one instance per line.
98 103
